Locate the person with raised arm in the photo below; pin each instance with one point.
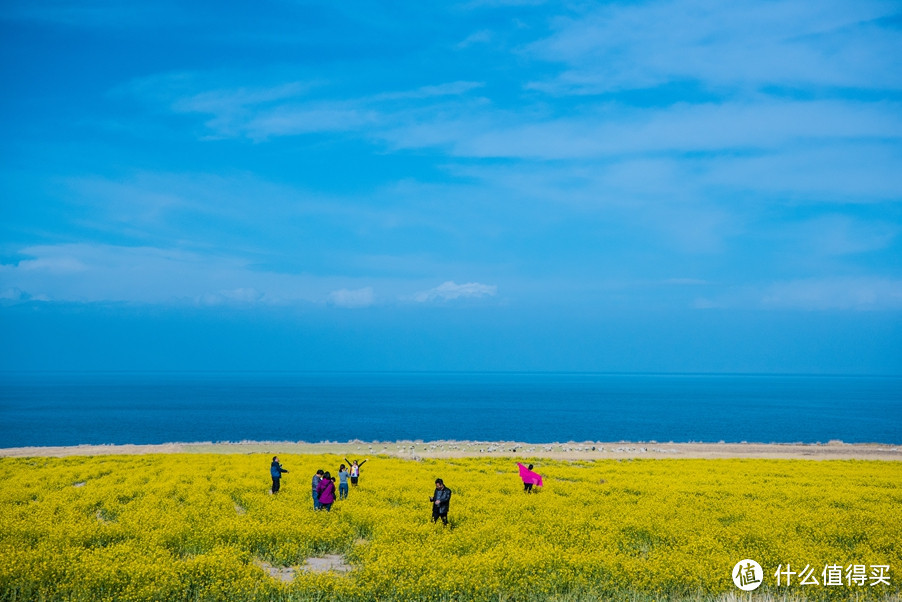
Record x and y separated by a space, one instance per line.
355 470
529 477
275 471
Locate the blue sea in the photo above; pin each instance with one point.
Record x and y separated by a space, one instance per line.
71 409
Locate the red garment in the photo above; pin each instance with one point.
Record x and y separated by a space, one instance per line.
529 476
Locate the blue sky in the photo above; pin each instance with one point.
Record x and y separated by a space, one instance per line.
486 185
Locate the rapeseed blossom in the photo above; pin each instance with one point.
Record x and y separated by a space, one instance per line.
198 527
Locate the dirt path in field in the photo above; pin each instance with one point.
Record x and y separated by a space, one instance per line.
586 450
317 564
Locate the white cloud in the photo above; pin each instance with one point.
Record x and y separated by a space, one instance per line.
303 119
686 281
448 291
158 276
864 293
839 293
54 264
640 45
612 130
482 4
233 100
238 296
151 275
445 116
839 235
362 297
479 37
835 170
253 110
108 273
449 89
260 112
14 294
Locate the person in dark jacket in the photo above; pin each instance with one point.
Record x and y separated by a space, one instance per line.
275 471
441 499
317 478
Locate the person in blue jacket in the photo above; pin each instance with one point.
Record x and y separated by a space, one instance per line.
275 471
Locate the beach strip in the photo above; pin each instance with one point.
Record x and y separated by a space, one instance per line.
418 449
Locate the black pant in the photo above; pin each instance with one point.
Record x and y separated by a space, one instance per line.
527 487
439 513
275 485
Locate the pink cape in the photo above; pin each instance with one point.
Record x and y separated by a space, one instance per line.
529 476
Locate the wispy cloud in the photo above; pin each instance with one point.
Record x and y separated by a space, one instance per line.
482 36
238 296
686 282
735 144
615 130
304 119
89 273
103 273
483 4
52 264
836 235
232 100
627 46
449 291
263 111
782 143
448 89
352 299
835 294
212 212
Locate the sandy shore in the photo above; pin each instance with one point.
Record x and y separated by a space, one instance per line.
586 450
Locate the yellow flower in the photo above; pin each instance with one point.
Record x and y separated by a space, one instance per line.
201 526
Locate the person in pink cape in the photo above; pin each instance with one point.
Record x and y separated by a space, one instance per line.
529 477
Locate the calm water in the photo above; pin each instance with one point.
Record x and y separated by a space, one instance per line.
158 408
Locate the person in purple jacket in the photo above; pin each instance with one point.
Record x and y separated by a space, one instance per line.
326 491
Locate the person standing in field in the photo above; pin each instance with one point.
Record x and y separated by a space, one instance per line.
275 471
529 477
441 500
317 478
355 470
343 482
326 492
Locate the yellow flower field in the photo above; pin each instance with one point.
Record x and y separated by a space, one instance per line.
199 527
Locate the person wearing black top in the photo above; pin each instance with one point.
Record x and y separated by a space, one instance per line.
441 500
